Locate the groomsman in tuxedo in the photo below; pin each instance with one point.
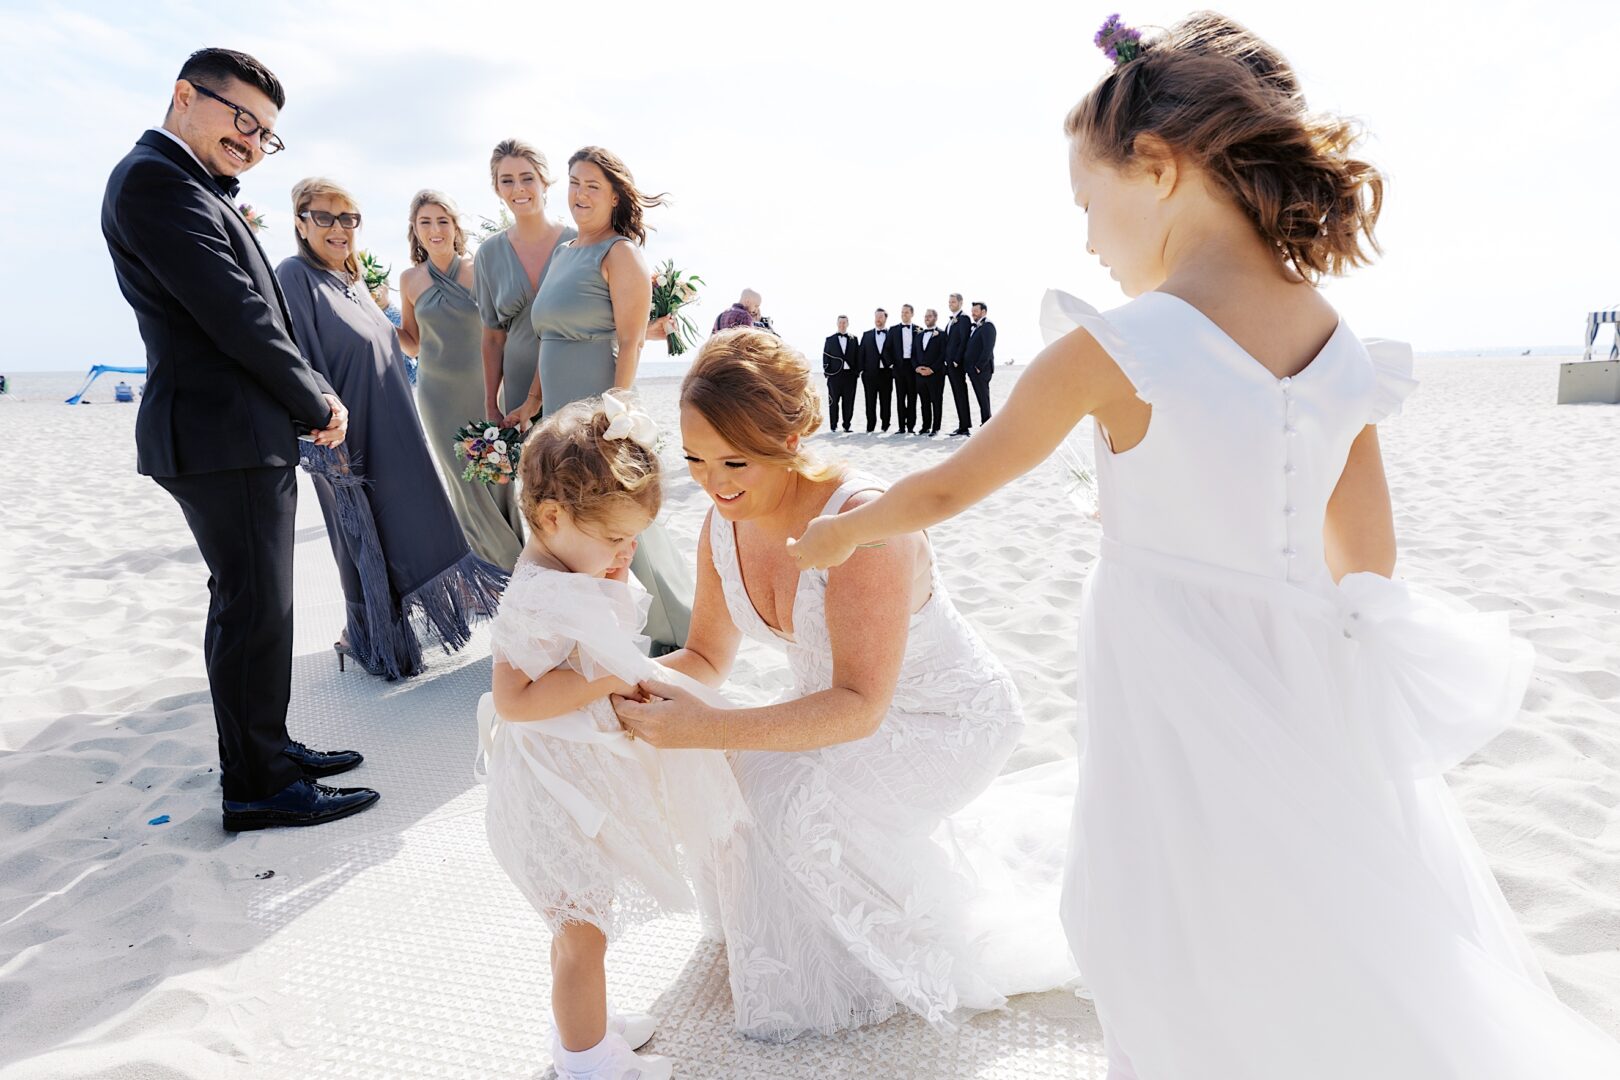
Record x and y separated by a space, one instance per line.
980 360
931 373
878 347
227 394
840 354
958 326
906 340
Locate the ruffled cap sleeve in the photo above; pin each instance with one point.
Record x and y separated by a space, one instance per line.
1392 366
1062 314
549 618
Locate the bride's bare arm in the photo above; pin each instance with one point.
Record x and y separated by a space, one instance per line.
1070 379
868 607
712 640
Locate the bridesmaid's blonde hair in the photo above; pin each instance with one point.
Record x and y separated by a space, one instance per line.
305 192
430 197
517 148
755 390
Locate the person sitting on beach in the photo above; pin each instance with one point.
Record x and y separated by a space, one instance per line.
583 818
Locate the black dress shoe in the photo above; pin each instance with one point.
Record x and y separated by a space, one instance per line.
958 431
302 802
319 763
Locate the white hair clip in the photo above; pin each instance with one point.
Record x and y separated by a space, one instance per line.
627 422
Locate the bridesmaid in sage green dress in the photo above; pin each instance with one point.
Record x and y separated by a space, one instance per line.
591 318
440 324
508 269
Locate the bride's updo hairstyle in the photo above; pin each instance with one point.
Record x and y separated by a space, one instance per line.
568 459
1222 99
755 390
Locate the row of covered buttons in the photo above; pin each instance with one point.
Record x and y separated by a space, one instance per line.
1289 469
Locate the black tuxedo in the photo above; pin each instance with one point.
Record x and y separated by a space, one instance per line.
980 362
931 388
877 375
226 389
905 375
957 329
840 356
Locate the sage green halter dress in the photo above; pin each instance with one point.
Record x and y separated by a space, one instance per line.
450 393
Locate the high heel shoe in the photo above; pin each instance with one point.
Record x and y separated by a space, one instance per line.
342 649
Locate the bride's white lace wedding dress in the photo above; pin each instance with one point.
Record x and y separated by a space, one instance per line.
1269 879
868 883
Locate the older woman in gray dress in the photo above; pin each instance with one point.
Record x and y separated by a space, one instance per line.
402 557
440 325
591 318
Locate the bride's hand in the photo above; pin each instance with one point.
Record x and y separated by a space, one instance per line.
670 719
822 546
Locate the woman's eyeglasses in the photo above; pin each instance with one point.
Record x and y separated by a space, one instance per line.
326 220
247 123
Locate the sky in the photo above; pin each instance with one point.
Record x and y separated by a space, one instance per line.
836 157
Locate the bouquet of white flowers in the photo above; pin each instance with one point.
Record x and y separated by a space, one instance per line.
672 290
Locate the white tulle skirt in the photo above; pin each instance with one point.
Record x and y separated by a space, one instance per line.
1268 878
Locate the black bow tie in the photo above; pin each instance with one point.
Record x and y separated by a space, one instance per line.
230 185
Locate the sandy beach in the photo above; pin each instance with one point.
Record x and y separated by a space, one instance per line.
138 940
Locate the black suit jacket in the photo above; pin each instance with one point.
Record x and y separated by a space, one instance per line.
981 349
898 338
834 360
874 359
225 382
956 341
930 352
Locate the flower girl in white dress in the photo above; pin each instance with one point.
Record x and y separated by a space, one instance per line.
597 830
1268 879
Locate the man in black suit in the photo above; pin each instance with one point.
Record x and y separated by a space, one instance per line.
980 359
877 370
839 355
906 353
227 392
957 329
931 373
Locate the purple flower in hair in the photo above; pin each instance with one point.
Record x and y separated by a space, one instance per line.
1120 43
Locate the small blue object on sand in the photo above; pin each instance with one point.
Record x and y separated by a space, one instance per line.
160 820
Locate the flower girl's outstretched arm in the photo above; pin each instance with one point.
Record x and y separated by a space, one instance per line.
1071 378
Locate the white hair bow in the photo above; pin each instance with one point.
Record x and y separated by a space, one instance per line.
627 422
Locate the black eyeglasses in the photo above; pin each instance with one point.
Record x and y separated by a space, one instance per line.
326 220
247 123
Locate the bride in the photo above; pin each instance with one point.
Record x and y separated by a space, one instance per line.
841 907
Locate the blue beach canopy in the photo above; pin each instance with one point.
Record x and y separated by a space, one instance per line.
98 370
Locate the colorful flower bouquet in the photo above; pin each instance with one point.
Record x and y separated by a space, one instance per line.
491 452
672 290
255 220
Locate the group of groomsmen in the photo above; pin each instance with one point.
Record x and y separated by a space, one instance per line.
902 369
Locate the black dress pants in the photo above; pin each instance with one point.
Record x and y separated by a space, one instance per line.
841 400
879 389
959 391
981 390
905 389
931 398
242 520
